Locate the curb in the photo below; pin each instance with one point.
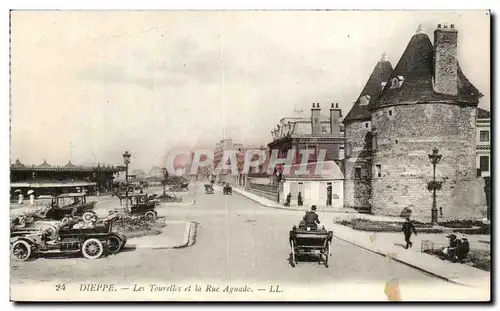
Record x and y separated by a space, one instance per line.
288 208
187 233
193 202
379 252
184 243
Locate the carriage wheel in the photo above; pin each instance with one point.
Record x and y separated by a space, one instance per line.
21 250
327 255
294 260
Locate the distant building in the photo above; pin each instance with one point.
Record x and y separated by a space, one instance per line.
225 175
46 179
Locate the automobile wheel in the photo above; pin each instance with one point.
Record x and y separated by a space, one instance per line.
150 215
114 244
92 248
87 216
21 250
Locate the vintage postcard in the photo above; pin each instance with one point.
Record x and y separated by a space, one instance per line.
250 156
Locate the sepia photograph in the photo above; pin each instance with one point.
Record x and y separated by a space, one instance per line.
250 155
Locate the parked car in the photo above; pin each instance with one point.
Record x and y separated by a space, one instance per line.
92 241
141 204
74 204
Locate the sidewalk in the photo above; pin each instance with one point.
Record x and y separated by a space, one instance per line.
268 203
176 234
391 245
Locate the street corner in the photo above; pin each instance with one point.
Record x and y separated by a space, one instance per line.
173 235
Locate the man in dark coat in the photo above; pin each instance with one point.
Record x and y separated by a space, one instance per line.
311 219
408 229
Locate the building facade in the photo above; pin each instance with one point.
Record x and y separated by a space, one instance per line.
427 103
324 135
483 143
46 179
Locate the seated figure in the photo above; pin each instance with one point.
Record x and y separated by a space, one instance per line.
310 219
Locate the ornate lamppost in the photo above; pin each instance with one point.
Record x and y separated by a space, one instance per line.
434 185
126 160
165 177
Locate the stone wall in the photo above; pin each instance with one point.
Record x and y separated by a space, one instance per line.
357 191
405 136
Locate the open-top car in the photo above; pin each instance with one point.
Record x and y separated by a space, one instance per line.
227 189
74 204
142 204
92 239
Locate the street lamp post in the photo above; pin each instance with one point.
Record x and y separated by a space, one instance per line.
434 185
165 176
126 160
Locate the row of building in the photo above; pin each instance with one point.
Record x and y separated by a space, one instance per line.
377 156
46 179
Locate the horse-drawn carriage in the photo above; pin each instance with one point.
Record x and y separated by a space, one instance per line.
311 243
227 189
209 189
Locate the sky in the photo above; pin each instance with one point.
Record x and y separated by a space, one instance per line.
88 85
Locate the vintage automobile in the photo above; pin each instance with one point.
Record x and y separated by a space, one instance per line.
209 189
74 204
91 240
142 204
227 189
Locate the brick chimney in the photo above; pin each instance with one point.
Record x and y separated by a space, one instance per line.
315 119
445 59
335 115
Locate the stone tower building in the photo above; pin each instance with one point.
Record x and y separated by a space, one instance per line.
357 129
427 103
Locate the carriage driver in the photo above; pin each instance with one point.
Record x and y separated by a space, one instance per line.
311 219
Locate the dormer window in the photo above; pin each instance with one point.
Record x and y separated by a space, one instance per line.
397 82
364 100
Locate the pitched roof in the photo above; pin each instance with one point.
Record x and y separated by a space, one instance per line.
373 88
44 164
416 67
17 164
70 164
483 113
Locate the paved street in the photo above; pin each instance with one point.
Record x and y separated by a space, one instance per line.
241 242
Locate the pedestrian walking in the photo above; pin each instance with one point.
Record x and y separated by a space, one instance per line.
408 229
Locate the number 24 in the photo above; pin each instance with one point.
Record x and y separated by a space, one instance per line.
60 287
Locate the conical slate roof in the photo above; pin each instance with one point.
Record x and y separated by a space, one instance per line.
44 164
416 67
18 164
373 88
